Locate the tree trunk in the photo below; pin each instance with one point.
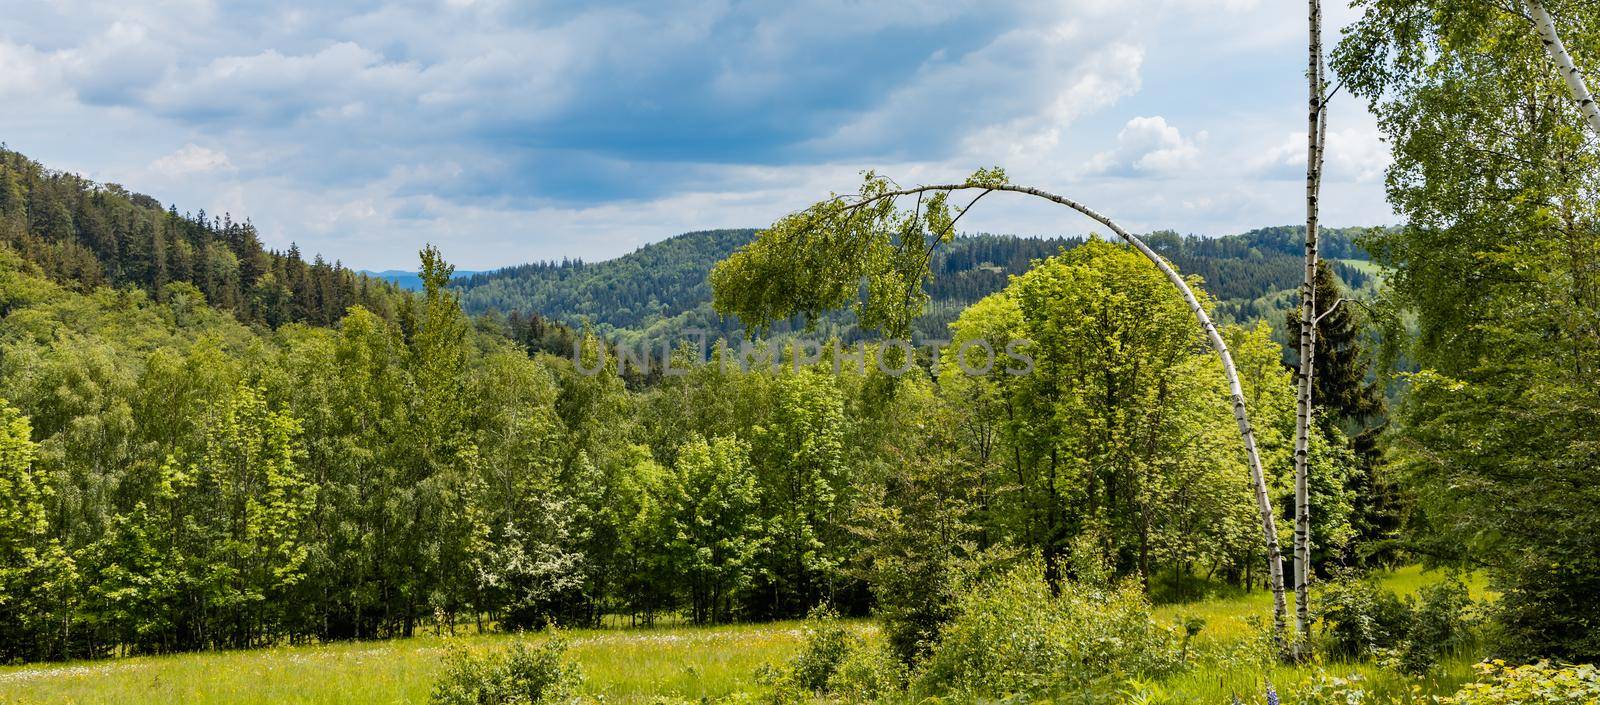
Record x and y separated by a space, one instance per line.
1316 133
1569 70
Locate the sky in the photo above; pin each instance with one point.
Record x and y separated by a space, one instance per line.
509 131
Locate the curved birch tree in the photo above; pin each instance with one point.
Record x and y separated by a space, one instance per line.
815 261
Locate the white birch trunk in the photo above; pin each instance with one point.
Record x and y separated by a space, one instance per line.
1569 71
1316 132
1269 526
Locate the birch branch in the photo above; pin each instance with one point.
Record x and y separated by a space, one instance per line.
1330 310
1569 71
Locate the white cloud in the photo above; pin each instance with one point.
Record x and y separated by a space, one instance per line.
1018 91
24 71
118 65
191 159
1355 154
1227 6
1034 143
507 131
1147 146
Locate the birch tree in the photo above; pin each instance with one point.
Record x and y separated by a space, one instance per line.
815 260
1497 178
1316 133
1569 71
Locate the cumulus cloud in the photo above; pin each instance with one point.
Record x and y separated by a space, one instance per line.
191 159
116 66
1033 143
24 71
508 131
1355 154
1147 146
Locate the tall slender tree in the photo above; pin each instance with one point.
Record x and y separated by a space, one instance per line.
1316 133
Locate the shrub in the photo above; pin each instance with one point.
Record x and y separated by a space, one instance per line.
831 660
1192 625
1358 617
916 593
1533 684
868 673
1012 636
1322 689
827 643
519 675
1440 624
1547 602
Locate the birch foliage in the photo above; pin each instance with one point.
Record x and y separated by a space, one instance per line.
1498 179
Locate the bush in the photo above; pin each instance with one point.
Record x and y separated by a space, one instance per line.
827 643
867 674
1546 607
1012 636
1440 624
916 594
1533 684
1323 689
1359 618
832 660
519 675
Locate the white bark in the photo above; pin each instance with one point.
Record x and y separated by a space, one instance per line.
1269 527
1316 134
1569 71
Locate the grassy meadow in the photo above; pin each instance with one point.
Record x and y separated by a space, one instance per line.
620 665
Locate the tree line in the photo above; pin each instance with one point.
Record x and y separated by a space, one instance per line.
177 480
660 291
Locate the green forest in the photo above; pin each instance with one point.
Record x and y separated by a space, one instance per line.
661 290
190 477
1301 464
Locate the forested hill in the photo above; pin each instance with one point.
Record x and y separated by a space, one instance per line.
658 280
87 234
661 288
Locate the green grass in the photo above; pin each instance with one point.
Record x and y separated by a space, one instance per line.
1228 623
1367 266
619 665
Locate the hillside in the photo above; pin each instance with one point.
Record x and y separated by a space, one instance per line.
660 289
88 234
634 291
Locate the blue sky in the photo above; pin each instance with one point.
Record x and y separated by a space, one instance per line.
513 131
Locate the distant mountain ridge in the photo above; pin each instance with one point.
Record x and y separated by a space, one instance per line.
88 234
661 289
405 279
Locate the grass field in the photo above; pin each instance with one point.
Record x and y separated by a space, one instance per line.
1374 269
619 665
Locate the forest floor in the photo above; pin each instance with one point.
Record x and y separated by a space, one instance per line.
619 665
